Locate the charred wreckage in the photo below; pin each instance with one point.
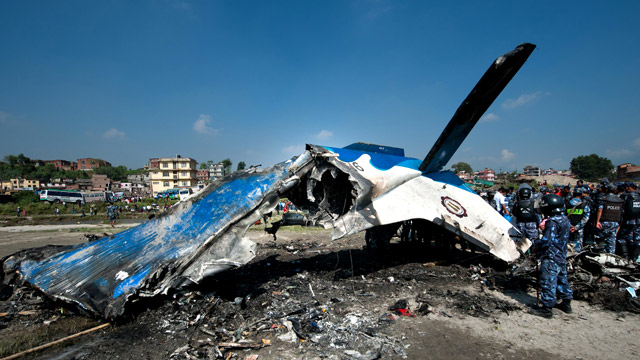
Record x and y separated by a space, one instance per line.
351 189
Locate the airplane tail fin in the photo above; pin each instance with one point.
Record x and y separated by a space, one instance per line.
494 80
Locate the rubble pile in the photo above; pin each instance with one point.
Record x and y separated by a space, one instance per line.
605 279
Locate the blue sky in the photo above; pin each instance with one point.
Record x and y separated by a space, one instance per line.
254 81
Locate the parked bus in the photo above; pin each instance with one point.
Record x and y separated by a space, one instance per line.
58 196
93 196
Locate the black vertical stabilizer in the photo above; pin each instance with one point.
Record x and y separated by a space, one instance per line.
473 107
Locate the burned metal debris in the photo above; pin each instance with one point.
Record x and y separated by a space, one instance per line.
351 189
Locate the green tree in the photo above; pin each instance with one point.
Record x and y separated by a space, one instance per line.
227 165
462 166
591 167
19 160
241 166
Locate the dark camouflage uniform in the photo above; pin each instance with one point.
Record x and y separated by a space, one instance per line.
608 234
551 249
630 234
529 229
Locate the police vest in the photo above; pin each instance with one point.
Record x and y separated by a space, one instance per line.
612 208
576 213
632 206
525 211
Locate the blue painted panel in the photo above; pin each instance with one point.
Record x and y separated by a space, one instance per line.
379 161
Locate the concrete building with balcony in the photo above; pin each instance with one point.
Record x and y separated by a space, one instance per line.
216 171
486 174
202 174
530 170
19 184
177 172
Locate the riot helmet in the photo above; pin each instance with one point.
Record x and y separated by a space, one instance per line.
551 204
524 193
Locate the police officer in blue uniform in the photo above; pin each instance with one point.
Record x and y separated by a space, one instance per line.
629 236
578 212
551 251
527 220
608 218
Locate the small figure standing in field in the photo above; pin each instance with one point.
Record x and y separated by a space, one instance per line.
57 211
18 211
112 214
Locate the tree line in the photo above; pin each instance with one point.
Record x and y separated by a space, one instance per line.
20 166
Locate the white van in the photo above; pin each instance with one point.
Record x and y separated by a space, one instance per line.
184 194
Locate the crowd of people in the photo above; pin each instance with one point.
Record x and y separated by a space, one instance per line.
606 218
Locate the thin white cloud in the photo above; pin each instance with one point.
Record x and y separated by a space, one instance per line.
293 149
618 153
636 142
201 126
113 134
323 135
523 99
507 155
490 117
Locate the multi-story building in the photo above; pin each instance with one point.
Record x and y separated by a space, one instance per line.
532 170
20 184
177 172
100 182
202 174
62 164
628 171
90 163
463 175
216 171
486 174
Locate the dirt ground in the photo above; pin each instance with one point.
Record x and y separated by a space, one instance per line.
307 297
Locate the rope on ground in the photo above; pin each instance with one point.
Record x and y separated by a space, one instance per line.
41 347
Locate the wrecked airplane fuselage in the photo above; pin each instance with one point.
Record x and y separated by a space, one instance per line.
351 189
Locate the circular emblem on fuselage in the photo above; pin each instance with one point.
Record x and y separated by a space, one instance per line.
453 206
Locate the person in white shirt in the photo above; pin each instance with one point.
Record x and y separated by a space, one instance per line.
501 202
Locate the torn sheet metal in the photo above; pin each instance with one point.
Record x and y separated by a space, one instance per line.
351 189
